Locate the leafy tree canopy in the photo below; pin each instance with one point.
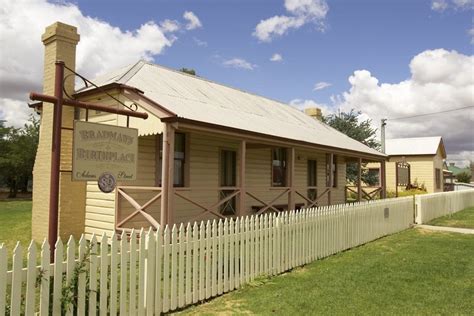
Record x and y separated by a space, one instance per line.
17 154
189 71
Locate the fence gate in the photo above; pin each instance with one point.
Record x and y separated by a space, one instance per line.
402 175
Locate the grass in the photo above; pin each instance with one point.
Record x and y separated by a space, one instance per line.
15 223
462 219
413 272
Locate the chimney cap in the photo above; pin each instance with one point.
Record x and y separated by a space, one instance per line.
60 31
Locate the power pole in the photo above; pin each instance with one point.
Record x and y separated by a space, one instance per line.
383 122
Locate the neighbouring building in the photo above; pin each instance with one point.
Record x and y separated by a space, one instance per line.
207 151
414 161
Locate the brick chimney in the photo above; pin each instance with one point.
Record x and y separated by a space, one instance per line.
60 41
314 113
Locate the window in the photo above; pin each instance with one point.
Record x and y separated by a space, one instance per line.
331 166
228 178
438 178
279 167
312 179
179 159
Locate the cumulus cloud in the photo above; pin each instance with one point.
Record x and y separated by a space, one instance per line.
102 47
239 63
192 19
301 12
276 58
321 85
440 80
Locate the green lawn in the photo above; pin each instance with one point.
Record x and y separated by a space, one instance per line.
413 272
463 219
15 223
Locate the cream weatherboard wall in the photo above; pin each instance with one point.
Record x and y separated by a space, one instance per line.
422 169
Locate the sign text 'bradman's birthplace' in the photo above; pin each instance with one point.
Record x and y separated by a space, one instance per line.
100 148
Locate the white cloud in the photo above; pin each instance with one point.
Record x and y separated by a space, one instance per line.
301 12
276 58
439 5
239 63
321 85
193 20
442 5
15 112
102 47
301 105
440 80
471 34
170 26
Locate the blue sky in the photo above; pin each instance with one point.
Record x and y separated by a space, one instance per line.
386 58
380 36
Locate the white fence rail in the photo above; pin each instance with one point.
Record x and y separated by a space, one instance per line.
430 206
154 272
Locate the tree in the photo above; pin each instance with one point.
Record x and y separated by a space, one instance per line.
362 131
189 71
17 155
463 177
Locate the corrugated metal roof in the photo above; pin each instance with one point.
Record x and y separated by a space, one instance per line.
198 99
413 146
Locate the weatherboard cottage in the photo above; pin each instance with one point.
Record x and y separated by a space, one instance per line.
206 151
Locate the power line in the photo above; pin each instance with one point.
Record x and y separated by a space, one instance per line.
432 113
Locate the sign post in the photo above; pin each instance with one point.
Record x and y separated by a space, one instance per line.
58 102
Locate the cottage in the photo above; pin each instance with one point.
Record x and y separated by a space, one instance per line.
414 161
207 151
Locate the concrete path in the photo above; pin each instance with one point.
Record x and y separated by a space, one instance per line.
448 229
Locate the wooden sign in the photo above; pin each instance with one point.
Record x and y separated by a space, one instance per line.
101 148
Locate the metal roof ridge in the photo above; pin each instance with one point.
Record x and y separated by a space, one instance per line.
132 71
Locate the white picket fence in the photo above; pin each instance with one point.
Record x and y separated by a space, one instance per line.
155 272
430 206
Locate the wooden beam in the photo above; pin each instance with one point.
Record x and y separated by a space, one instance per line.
167 191
291 178
359 180
242 168
331 176
383 179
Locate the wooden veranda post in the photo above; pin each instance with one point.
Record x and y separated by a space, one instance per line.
242 167
291 178
331 176
383 179
167 188
359 180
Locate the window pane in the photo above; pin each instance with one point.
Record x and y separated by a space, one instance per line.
228 168
179 143
178 173
279 167
312 170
